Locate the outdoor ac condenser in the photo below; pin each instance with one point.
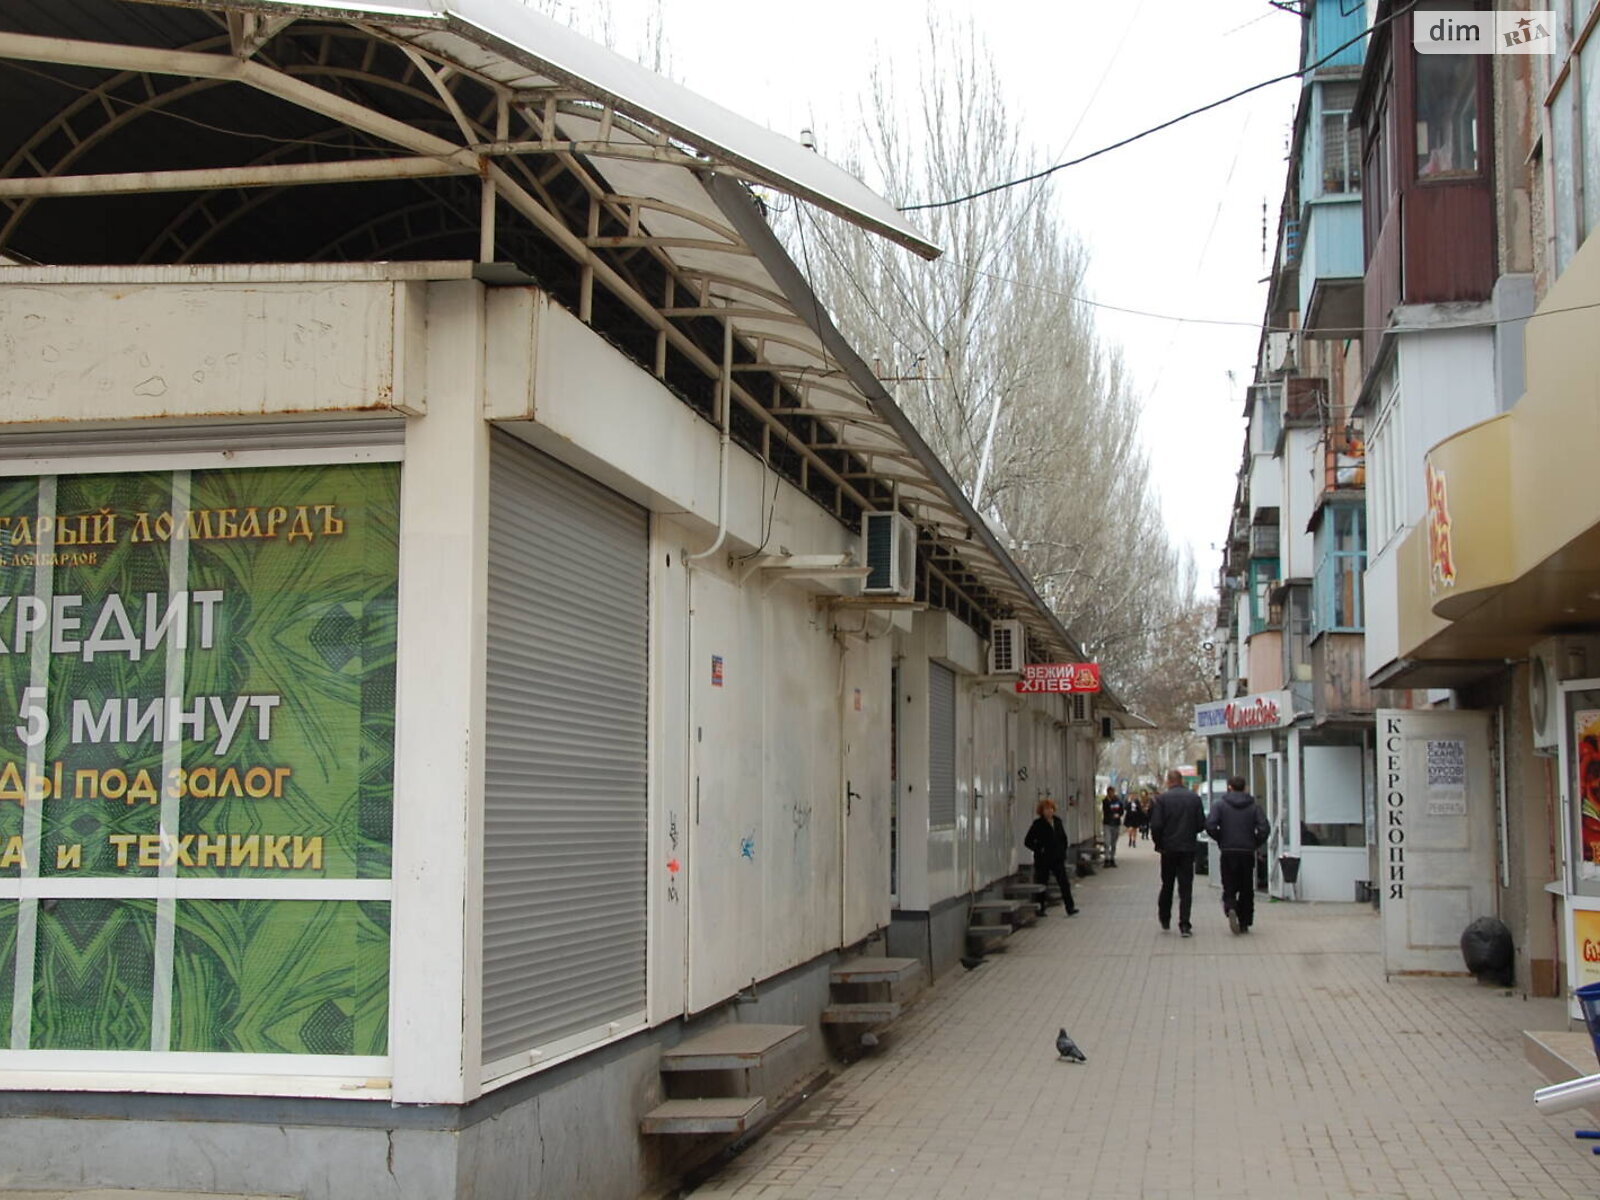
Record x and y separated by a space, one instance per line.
1008 647
1553 662
889 548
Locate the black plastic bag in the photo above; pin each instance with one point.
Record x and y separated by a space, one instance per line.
1486 946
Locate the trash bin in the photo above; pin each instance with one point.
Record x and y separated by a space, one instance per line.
1589 1003
1289 864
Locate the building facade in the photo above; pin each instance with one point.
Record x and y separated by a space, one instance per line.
1297 723
1484 589
1450 592
471 624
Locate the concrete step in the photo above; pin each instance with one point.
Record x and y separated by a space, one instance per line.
988 933
1004 907
875 970
731 1048
1023 890
723 1114
867 1012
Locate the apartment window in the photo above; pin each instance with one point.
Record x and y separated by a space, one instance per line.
1341 546
1266 419
1263 571
1573 157
1341 141
1297 630
1447 115
1379 162
1385 461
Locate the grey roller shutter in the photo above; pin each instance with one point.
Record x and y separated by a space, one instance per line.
941 745
564 788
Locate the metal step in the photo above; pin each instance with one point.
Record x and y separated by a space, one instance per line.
725 1114
872 1012
875 970
731 1047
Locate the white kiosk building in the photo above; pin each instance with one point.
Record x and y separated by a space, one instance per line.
469 624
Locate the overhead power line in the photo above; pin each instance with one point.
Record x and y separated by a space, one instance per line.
1193 112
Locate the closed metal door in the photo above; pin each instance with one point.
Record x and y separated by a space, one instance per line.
565 814
941 746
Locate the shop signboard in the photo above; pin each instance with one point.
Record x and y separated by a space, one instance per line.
1586 939
1244 714
197 670
1059 677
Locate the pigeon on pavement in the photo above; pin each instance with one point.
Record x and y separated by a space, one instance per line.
1068 1048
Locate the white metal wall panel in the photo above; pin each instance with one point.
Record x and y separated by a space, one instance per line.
941 746
565 780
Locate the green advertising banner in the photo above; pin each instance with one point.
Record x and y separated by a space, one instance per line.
197 676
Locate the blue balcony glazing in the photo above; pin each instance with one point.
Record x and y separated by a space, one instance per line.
1333 23
1331 267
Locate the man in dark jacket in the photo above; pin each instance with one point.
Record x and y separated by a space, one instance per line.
1111 810
1176 822
1237 825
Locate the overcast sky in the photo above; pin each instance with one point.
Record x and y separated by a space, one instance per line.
1173 224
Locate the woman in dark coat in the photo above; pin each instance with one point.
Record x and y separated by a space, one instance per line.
1047 838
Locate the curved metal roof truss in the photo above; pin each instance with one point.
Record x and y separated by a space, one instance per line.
208 132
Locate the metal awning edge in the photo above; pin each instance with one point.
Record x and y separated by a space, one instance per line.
737 205
512 29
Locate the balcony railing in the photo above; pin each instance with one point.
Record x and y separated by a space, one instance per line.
1305 398
1344 461
1263 541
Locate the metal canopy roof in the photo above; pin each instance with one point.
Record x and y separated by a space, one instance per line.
217 131
523 49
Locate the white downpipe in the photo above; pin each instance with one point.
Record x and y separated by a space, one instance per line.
725 403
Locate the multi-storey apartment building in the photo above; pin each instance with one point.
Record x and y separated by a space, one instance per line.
1298 719
1455 514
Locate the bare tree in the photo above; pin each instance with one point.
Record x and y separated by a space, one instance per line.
993 354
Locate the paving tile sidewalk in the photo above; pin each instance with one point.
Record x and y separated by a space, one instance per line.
1275 1065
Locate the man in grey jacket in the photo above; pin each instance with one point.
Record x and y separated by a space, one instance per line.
1237 825
1176 822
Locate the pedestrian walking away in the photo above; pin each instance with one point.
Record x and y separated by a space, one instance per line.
1111 811
1047 838
1176 822
1238 826
1131 820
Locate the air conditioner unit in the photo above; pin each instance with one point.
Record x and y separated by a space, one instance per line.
1008 647
1080 708
889 548
1552 662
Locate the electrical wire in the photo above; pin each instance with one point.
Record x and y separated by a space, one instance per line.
1350 331
1193 112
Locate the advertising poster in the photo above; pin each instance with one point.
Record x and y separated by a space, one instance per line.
1586 764
1586 935
197 714
1447 777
